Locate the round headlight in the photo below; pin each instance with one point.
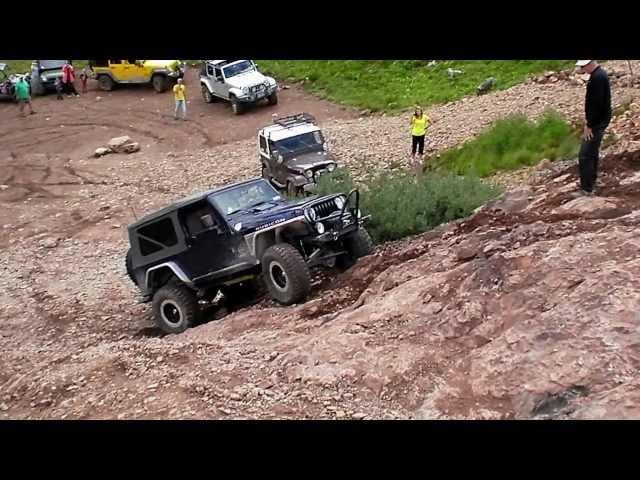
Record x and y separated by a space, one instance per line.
245 89
331 167
309 173
237 227
310 214
339 201
320 228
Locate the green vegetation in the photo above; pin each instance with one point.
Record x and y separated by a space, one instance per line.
24 66
509 144
396 85
404 205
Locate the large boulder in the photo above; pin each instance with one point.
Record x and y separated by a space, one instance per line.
118 143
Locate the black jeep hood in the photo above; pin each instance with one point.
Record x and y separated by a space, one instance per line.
283 211
310 160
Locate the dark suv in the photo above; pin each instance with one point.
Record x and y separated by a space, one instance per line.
44 74
225 240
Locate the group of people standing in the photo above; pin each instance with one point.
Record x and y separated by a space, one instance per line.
64 84
598 113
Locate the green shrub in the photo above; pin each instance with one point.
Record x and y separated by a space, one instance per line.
509 144
402 205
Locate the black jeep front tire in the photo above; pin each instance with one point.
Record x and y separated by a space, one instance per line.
159 83
273 99
286 274
359 244
175 308
105 83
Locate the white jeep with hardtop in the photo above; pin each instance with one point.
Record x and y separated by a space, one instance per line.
237 81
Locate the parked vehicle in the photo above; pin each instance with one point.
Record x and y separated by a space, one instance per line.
159 73
236 81
294 154
44 74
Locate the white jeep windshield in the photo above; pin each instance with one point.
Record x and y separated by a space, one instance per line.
300 143
238 68
244 197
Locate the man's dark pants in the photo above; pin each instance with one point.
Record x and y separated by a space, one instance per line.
588 158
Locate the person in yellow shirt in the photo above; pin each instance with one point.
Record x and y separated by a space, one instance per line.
419 123
179 93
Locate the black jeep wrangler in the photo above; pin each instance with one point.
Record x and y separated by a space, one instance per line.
226 240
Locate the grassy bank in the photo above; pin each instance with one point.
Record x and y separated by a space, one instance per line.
509 144
402 205
395 85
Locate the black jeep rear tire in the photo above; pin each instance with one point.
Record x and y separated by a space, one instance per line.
286 274
359 244
273 99
105 82
159 83
175 308
206 94
129 265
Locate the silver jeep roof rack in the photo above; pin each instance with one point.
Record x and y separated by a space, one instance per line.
293 120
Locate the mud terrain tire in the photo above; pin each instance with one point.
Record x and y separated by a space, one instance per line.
105 83
159 83
175 308
272 99
359 244
206 95
236 106
286 274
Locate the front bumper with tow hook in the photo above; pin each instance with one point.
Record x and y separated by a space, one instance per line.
256 96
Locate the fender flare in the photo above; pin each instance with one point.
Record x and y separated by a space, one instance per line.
177 271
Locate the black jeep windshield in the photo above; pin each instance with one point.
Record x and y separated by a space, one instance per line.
51 64
238 68
245 197
299 144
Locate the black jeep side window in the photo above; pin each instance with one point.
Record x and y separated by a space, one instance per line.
210 70
199 219
157 236
263 144
218 74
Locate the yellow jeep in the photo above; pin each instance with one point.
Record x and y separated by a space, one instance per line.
160 73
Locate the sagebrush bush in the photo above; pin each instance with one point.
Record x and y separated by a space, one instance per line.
509 144
401 205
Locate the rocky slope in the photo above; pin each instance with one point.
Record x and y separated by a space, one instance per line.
528 309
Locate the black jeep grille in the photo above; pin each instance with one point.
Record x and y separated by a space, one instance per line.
326 208
256 88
